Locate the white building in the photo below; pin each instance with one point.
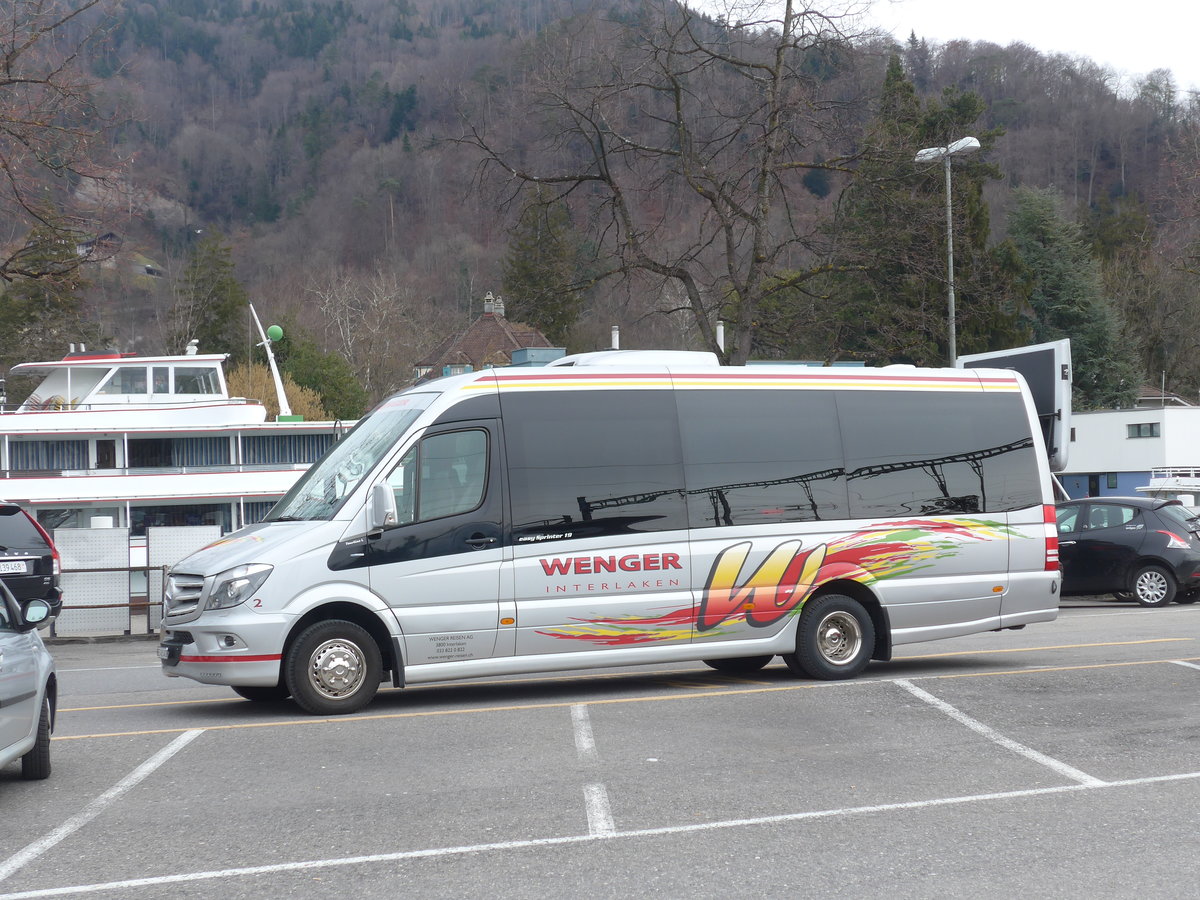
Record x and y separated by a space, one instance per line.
1130 451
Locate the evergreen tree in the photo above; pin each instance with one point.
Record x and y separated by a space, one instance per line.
210 304
543 271
41 317
1067 301
887 288
327 374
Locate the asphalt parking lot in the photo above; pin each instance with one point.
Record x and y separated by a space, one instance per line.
1057 761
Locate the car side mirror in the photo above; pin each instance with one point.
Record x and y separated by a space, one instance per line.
381 507
35 614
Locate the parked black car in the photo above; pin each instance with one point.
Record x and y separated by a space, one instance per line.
29 564
1137 548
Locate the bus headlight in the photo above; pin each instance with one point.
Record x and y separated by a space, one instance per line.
236 585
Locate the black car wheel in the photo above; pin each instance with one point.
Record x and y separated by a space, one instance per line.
1153 586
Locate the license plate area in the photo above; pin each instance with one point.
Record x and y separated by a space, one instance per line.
13 567
169 652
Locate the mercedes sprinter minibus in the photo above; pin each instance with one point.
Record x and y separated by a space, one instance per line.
618 509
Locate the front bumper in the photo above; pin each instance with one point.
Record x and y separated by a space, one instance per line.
228 650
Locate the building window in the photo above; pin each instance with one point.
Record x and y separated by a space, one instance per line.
1143 430
1112 481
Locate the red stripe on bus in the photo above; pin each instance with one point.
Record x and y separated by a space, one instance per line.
267 657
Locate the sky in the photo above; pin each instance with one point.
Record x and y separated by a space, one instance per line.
1132 39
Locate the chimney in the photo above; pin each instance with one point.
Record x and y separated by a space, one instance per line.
489 304
616 338
499 306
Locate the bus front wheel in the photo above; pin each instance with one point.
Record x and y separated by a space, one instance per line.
333 668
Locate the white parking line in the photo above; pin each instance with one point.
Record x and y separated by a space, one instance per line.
500 846
1180 662
599 814
585 744
97 806
996 737
595 796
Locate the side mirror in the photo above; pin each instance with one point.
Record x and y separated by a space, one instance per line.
381 507
35 614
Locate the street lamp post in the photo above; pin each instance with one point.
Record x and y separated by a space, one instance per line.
932 154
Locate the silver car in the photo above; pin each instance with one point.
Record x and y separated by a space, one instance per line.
28 686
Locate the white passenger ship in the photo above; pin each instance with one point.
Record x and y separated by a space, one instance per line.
140 441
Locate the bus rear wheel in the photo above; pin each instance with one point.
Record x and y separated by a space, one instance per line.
834 640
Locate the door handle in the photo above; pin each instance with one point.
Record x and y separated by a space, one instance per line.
479 541
1065 543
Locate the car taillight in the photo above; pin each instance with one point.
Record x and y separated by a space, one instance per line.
57 560
1051 525
1175 542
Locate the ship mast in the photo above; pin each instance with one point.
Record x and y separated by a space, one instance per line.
284 408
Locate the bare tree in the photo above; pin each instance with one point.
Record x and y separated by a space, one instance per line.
377 321
50 130
688 140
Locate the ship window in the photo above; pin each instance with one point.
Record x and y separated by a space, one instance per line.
32 456
274 449
143 517
196 380
125 380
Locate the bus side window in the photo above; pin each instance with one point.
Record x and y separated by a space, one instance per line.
442 476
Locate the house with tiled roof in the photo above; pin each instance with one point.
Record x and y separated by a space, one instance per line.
488 342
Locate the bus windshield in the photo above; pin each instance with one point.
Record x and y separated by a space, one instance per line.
322 490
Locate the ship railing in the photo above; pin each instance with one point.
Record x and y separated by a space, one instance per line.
224 469
1168 472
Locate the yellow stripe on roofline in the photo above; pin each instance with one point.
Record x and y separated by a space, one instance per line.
783 384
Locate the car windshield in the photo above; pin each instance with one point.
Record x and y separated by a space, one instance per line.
322 490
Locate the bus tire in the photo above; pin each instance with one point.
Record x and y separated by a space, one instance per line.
739 665
834 640
333 668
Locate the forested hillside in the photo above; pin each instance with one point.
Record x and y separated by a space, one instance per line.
364 170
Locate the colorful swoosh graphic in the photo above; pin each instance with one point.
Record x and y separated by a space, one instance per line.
787 576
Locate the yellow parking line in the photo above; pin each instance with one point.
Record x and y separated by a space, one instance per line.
338 720
64 709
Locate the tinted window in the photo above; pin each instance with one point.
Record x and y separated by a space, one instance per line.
1068 517
444 475
593 462
1109 515
912 452
752 457
1178 516
17 532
